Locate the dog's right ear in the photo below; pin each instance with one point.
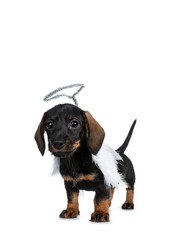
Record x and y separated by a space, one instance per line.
39 136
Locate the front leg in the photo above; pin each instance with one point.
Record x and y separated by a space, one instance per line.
101 205
72 210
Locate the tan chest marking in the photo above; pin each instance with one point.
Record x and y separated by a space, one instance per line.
88 177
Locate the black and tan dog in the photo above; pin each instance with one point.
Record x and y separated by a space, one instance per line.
76 138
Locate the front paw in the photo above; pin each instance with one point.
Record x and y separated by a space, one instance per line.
99 216
69 213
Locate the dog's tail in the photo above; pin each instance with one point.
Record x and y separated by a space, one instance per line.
123 147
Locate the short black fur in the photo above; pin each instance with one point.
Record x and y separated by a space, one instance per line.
67 127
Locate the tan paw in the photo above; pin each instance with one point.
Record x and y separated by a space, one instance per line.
99 216
69 213
128 206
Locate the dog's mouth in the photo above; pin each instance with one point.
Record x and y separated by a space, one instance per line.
63 155
63 150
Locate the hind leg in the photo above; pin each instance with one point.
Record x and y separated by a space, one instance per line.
127 170
129 204
111 196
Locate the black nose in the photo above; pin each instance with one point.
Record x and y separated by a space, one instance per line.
58 144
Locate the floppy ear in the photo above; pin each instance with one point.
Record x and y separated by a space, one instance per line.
39 136
95 133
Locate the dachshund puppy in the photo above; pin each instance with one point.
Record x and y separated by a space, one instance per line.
76 139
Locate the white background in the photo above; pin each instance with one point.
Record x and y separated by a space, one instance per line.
127 53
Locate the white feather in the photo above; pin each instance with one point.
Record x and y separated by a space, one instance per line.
106 160
55 166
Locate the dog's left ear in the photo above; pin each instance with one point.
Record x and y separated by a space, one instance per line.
94 132
39 136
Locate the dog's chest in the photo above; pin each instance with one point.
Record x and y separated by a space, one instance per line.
77 168
84 182
73 168
82 175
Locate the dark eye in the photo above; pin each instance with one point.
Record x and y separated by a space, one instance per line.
74 123
49 124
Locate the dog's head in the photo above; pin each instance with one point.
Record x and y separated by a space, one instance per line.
66 125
